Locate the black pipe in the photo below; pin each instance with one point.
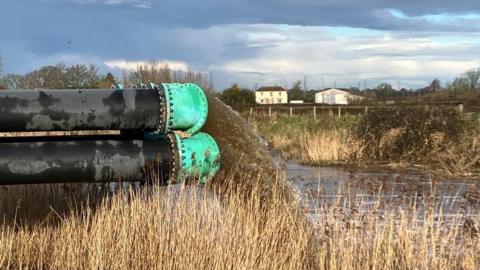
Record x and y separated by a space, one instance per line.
88 109
85 160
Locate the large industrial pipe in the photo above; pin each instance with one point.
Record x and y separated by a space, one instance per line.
172 159
164 108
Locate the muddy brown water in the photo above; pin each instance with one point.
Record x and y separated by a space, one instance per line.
239 144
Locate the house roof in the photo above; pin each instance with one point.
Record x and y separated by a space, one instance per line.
270 89
340 89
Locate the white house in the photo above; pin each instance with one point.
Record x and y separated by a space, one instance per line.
271 95
336 97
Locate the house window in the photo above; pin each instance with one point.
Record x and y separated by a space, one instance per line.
271 94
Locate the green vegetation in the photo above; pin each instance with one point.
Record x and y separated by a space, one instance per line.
238 98
399 133
440 136
298 93
435 137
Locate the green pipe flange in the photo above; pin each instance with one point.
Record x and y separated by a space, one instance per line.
198 157
186 106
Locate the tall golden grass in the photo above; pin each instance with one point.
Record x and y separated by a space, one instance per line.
328 146
310 141
395 239
188 227
184 227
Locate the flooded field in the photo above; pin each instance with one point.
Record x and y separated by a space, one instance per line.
382 191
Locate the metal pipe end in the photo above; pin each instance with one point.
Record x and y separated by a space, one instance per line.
197 157
186 107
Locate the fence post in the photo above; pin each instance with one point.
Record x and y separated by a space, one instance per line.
314 112
269 111
339 111
251 111
291 111
366 109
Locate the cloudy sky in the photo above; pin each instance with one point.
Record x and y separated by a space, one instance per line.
340 42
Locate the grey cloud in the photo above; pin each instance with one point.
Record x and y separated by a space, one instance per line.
208 33
369 13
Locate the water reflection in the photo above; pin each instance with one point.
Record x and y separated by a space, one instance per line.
320 188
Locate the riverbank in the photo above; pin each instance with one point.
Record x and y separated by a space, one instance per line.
446 142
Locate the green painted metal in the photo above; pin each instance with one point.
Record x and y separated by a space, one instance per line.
118 86
187 107
199 157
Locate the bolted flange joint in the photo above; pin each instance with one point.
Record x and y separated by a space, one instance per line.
195 157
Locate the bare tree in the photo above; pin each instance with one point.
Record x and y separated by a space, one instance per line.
107 81
296 86
153 71
192 76
51 77
81 76
473 77
435 86
160 72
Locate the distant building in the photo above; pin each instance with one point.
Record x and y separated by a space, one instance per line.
271 95
335 96
296 101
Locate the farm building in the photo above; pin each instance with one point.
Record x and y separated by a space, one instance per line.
271 95
336 97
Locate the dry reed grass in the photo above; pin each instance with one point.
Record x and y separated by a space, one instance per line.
328 146
395 238
454 159
188 227
310 141
183 227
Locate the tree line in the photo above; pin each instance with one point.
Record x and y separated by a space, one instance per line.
81 76
59 77
465 88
